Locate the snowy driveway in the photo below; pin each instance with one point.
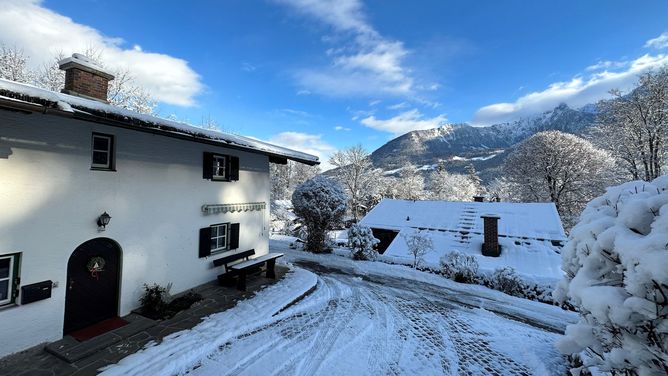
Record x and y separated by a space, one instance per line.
380 326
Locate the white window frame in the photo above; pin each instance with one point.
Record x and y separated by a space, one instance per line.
219 162
10 278
110 152
218 236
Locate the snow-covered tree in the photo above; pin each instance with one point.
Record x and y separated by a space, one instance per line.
285 178
410 185
616 266
634 126
475 180
561 168
419 244
14 64
355 172
50 76
451 187
320 203
500 189
362 243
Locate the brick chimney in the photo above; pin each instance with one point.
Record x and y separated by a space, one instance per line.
478 198
491 247
84 78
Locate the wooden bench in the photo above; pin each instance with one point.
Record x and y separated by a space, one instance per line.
241 269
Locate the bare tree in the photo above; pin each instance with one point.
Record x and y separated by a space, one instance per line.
634 126
14 64
560 168
124 91
418 245
354 172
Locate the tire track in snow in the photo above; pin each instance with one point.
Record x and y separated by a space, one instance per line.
361 327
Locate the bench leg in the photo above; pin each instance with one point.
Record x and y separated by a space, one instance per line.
270 269
241 281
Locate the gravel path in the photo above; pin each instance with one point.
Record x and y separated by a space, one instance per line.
351 326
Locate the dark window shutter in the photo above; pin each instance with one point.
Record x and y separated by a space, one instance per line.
204 242
234 168
207 166
234 236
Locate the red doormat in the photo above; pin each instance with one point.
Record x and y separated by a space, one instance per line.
99 328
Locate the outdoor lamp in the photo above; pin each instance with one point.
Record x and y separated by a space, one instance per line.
103 220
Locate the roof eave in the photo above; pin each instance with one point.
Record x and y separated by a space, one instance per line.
45 108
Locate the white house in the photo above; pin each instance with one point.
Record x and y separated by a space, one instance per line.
174 196
525 236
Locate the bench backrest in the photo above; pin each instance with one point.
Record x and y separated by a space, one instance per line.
232 258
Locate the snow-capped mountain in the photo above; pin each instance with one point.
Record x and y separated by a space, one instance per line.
485 147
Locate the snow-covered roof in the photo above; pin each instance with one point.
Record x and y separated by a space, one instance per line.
536 260
91 110
517 220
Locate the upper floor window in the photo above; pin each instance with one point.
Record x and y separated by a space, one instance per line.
220 167
102 152
8 278
220 171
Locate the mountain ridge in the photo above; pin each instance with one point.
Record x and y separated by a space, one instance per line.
459 145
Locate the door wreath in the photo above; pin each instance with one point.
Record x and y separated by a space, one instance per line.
95 266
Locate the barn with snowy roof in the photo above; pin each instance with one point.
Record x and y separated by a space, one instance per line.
525 236
97 200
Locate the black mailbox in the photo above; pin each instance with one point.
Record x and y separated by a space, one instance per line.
35 292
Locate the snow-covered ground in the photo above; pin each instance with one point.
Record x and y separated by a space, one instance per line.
364 318
181 350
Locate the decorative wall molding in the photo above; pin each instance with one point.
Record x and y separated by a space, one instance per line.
231 208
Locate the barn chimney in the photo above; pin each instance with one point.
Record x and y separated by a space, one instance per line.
491 247
478 198
84 78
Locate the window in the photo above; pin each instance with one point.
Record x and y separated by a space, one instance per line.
219 167
219 238
8 278
102 152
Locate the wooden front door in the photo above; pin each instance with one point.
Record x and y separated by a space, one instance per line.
92 284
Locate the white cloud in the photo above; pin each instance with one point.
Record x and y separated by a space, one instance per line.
248 67
577 92
42 33
405 122
659 42
307 143
398 106
365 64
607 64
342 128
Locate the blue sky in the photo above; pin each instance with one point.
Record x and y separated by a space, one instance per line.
323 75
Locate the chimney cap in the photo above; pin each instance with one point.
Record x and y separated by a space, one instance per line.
84 63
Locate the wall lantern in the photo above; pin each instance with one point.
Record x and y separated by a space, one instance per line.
103 221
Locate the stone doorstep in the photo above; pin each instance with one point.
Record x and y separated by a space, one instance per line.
71 350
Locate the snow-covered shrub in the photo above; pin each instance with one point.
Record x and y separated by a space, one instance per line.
459 267
319 203
418 245
506 279
616 264
362 242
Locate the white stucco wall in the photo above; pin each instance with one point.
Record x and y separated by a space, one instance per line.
50 199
